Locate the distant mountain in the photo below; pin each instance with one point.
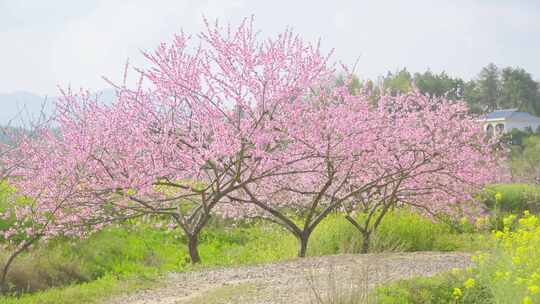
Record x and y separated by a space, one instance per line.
27 105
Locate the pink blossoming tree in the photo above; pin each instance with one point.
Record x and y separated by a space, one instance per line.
433 156
201 125
41 201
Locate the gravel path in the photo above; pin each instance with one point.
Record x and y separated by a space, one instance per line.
297 281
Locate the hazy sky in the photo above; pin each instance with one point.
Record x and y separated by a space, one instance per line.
60 42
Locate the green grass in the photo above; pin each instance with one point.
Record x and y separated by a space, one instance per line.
131 256
90 292
514 198
432 290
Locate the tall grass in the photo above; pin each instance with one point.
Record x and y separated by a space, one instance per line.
400 230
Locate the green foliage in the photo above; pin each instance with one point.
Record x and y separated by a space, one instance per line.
399 82
440 85
511 270
519 90
507 88
492 89
127 250
439 289
123 251
514 198
487 88
5 194
44 269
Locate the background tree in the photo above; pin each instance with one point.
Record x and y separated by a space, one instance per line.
488 88
398 82
519 90
440 85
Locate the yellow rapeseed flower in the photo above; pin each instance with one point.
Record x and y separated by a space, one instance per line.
527 300
534 289
469 283
456 293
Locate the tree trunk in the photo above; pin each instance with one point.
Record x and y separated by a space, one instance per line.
303 238
5 269
193 242
363 230
365 242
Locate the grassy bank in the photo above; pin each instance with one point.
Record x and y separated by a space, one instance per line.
134 255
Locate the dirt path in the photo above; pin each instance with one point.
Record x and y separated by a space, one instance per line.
294 281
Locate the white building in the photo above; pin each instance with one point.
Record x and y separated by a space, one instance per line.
502 121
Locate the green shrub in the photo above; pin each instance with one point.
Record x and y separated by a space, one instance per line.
511 270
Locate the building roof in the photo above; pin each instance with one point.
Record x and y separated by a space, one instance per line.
510 113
